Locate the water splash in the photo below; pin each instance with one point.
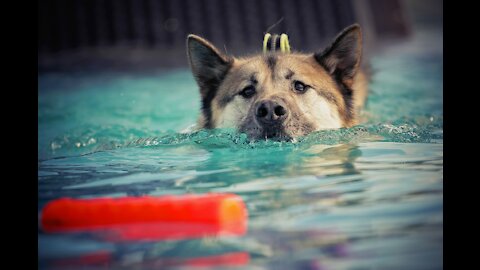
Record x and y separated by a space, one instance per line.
424 129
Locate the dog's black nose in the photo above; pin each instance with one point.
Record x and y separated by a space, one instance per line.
269 112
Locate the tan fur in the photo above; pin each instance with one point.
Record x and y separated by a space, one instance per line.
360 90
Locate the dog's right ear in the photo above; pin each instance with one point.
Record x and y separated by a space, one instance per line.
208 65
342 57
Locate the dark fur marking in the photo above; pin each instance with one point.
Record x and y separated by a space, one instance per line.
211 90
289 74
271 62
346 92
347 95
253 79
225 100
210 86
327 95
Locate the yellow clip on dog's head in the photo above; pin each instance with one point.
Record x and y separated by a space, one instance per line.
271 42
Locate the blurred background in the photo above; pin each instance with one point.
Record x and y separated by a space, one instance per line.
151 34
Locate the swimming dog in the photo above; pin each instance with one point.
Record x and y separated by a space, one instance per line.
280 95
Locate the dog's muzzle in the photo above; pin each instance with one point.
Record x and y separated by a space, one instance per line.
270 113
271 116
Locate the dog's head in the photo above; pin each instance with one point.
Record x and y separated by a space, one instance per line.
277 95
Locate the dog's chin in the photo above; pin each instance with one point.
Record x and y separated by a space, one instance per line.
275 133
286 131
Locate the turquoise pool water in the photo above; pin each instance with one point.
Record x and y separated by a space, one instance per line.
368 197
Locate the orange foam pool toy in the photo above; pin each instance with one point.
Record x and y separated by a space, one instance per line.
149 217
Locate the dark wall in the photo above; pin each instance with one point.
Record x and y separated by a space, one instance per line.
114 29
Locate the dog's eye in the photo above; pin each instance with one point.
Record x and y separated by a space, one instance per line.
300 86
248 92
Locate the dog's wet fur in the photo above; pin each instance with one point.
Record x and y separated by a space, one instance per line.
279 95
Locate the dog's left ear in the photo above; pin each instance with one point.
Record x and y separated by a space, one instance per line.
342 57
209 66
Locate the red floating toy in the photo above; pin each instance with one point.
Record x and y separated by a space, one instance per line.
147 217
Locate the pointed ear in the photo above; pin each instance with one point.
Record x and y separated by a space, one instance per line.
342 57
208 65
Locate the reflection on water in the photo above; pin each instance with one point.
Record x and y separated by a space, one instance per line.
316 206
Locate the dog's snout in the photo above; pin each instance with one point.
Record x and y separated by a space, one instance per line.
271 112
